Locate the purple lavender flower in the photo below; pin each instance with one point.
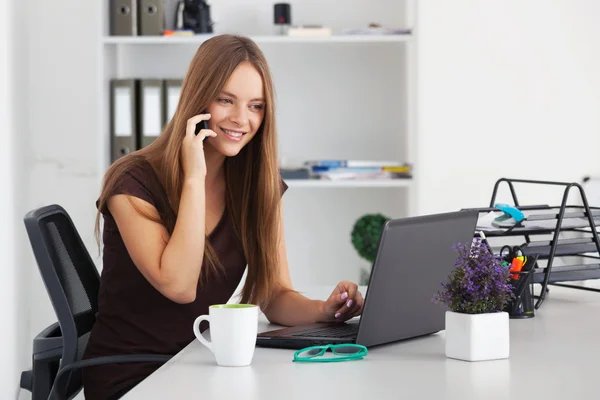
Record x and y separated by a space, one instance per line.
478 284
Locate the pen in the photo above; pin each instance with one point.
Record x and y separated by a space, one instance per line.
516 266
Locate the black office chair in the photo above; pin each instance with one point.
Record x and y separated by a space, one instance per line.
72 283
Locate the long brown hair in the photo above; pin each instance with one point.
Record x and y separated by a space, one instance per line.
253 184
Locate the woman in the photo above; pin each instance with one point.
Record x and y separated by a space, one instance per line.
185 215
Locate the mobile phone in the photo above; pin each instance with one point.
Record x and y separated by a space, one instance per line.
201 125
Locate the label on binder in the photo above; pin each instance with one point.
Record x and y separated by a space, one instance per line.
173 93
123 112
152 115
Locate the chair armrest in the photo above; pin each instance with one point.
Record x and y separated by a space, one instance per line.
127 358
49 339
26 381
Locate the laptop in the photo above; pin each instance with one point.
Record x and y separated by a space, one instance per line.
414 256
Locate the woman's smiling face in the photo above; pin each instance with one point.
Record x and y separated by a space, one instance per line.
238 111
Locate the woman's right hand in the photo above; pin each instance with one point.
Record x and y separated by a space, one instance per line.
194 164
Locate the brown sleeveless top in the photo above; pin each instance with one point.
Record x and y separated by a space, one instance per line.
133 317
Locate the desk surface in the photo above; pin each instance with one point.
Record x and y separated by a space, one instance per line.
552 356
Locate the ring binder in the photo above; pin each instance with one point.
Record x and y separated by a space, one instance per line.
123 117
123 17
152 17
171 99
151 110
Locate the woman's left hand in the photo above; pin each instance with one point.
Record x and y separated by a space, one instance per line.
345 302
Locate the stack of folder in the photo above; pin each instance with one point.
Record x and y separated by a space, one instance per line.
358 169
139 109
137 17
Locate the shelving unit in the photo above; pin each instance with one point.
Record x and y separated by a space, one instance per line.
198 39
338 97
373 183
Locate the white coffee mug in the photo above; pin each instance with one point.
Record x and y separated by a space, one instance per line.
233 331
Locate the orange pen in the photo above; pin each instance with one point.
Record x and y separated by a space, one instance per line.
516 266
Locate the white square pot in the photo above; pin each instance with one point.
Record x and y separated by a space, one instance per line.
477 337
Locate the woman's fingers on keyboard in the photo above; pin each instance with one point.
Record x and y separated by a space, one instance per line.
357 307
350 308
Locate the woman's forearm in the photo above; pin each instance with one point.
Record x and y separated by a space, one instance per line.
182 258
290 308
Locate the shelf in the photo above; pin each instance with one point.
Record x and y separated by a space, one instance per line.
197 39
532 228
568 273
567 247
317 183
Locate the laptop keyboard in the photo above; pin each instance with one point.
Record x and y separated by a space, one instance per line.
342 331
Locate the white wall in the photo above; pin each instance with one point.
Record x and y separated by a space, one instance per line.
499 75
17 263
14 316
8 291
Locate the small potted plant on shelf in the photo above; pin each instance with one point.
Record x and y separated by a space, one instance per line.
476 293
365 239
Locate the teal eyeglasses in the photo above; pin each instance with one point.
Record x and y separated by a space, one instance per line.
341 352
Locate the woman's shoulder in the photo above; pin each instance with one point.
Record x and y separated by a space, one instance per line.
139 170
136 178
137 174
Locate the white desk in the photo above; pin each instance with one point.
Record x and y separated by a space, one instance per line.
554 355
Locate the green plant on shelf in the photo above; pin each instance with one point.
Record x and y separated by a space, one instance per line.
365 239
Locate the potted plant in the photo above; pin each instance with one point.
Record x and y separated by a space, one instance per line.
476 293
365 239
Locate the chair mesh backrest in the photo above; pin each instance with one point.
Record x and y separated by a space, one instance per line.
77 275
72 265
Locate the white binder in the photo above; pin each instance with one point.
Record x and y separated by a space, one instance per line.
151 110
123 117
172 94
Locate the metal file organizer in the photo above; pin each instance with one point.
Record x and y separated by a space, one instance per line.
555 222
